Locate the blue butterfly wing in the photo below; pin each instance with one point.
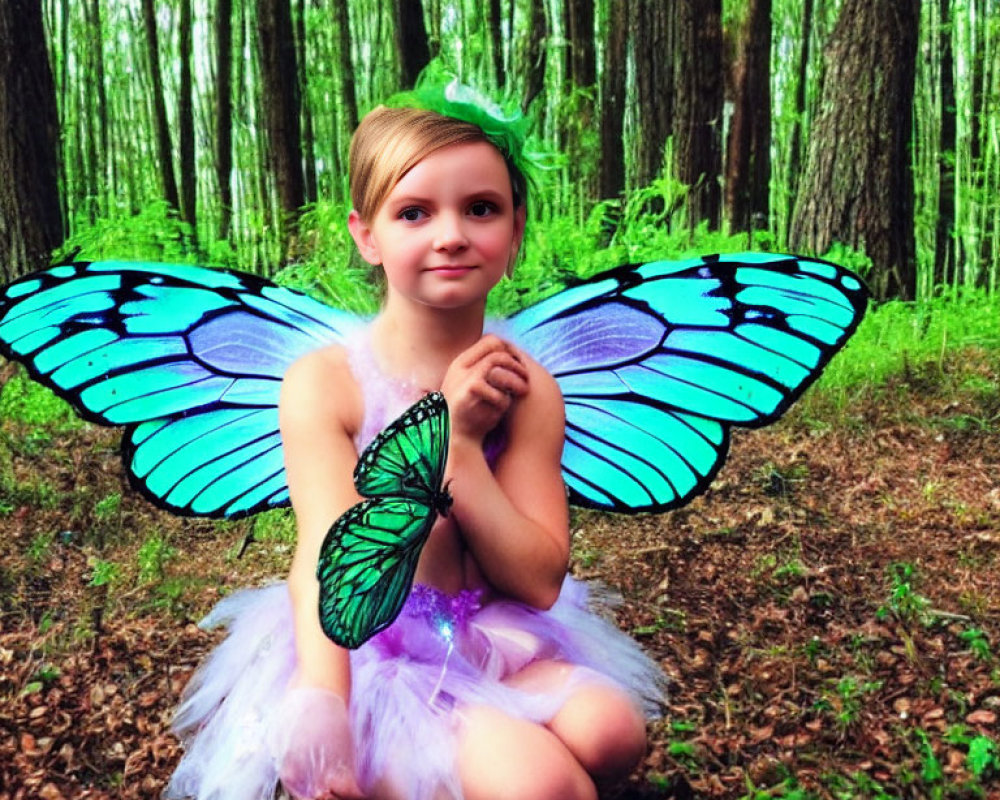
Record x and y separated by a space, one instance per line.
656 361
188 359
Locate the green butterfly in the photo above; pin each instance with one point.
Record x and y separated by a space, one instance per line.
369 556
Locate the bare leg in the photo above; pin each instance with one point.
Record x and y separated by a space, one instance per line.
503 758
599 724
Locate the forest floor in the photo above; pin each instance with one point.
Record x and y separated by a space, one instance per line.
828 613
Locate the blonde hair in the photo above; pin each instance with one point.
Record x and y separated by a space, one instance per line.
389 142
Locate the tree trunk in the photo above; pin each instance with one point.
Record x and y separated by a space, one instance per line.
348 93
698 87
496 44
857 185
581 56
748 166
308 137
581 72
534 54
944 242
612 164
185 117
795 145
30 219
411 40
224 113
653 41
164 148
281 106
103 155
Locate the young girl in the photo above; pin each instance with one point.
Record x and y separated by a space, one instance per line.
495 681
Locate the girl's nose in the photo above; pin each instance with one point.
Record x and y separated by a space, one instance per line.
449 236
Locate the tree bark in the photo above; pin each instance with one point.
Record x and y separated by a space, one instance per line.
944 241
185 117
164 149
857 185
748 166
534 54
612 165
224 114
795 144
308 136
698 87
496 44
348 94
281 107
652 30
581 71
581 56
411 40
30 218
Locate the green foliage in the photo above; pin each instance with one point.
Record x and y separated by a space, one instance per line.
155 233
154 554
108 508
904 602
897 340
25 402
978 642
333 271
103 573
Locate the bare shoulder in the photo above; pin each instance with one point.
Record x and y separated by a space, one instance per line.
541 410
542 383
320 388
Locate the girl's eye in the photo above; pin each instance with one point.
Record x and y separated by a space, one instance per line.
411 214
481 208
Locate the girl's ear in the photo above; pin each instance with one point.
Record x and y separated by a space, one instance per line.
361 232
520 217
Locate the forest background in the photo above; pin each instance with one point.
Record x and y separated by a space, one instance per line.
828 612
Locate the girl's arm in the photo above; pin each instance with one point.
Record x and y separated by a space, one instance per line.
515 520
320 403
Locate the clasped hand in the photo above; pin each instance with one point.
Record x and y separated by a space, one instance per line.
481 385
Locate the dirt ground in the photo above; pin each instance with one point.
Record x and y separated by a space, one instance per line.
828 613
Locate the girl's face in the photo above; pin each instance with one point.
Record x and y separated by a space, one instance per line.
448 229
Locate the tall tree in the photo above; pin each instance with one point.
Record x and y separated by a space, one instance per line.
496 43
411 40
798 123
611 181
652 32
857 185
944 242
30 217
224 113
581 72
348 92
165 158
185 117
533 53
308 133
748 165
280 99
698 88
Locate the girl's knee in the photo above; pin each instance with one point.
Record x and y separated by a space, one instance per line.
603 729
501 758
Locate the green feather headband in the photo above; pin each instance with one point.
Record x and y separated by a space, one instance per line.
507 128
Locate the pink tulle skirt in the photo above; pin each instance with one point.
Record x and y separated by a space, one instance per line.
442 653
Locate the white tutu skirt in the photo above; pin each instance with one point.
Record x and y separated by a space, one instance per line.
442 653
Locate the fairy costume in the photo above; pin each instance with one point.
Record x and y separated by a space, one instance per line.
409 682
655 362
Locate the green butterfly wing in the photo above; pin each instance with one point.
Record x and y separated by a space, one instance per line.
366 566
407 458
370 554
